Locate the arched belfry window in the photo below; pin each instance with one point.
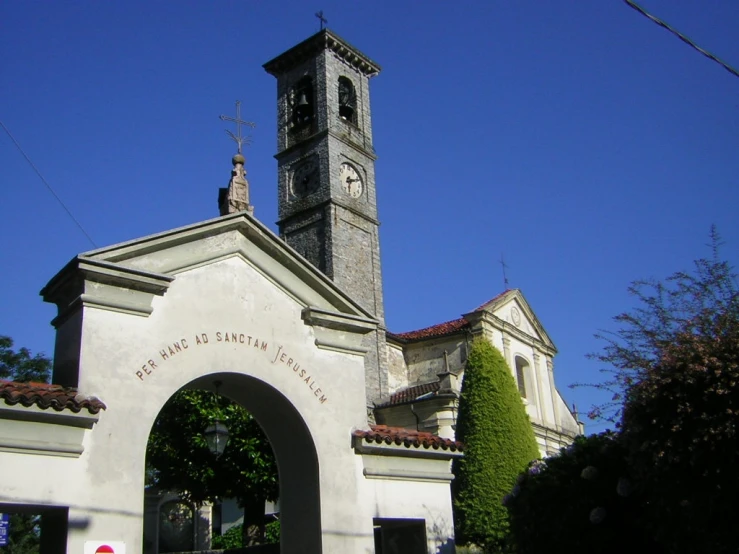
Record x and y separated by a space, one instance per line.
522 367
347 101
302 106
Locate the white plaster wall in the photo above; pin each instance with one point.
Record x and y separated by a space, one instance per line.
387 498
426 360
104 487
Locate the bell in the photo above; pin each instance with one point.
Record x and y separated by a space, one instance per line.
346 111
303 108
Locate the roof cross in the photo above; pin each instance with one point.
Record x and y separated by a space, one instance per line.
323 20
238 138
504 266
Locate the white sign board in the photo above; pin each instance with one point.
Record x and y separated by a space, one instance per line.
105 547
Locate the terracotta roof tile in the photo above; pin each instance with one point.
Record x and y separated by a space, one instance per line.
492 300
438 330
400 436
446 328
411 393
47 396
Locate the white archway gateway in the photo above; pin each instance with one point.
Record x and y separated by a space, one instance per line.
220 300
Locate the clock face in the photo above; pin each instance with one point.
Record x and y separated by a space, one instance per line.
305 178
351 182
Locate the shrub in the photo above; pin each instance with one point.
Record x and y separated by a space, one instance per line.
499 443
582 500
230 539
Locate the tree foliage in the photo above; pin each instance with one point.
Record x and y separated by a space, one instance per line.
683 303
680 427
178 457
499 443
673 367
21 366
582 500
25 534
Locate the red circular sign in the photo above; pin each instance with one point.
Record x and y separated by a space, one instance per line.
104 549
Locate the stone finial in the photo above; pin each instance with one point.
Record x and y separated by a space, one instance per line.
448 381
235 198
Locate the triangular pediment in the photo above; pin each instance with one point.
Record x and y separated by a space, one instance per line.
151 263
513 309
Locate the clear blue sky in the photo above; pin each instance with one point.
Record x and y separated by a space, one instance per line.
581 140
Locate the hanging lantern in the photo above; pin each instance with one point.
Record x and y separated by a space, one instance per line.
216 436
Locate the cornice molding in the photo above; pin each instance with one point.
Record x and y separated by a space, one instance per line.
503 326
323 40
337 331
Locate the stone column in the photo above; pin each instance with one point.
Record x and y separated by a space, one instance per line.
539 394
507 354
555 395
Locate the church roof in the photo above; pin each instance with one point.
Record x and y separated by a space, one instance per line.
409 438
411 393
47 396
464 323
448 327
151 263
438 330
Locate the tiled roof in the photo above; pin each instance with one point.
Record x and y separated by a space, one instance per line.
492 300
411 393
438 330
46 396
446 328
400 436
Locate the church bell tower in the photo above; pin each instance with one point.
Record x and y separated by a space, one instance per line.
327 205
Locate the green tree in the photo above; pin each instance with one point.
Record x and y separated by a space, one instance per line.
673 366
499 444
21 366
686 302
680 421
178 457
25 534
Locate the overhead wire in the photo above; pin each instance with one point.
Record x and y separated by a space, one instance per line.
48 186
682 37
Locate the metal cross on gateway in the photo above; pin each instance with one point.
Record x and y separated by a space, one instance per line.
238 138
323 20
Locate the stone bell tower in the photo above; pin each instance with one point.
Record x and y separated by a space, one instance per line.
327 203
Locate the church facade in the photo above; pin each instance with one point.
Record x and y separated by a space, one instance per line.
292 327
427 368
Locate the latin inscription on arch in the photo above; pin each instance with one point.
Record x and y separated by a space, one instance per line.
276 355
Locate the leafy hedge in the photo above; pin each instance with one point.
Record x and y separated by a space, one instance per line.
233 538
583 500
499 443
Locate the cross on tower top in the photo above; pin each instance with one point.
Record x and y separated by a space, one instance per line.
323 20
238 138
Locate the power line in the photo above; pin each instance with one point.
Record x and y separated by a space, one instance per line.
48 186
682 37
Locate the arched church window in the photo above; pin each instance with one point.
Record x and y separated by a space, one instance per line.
347 101
521 370
302 107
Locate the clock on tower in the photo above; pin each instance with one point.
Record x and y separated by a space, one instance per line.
327 204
